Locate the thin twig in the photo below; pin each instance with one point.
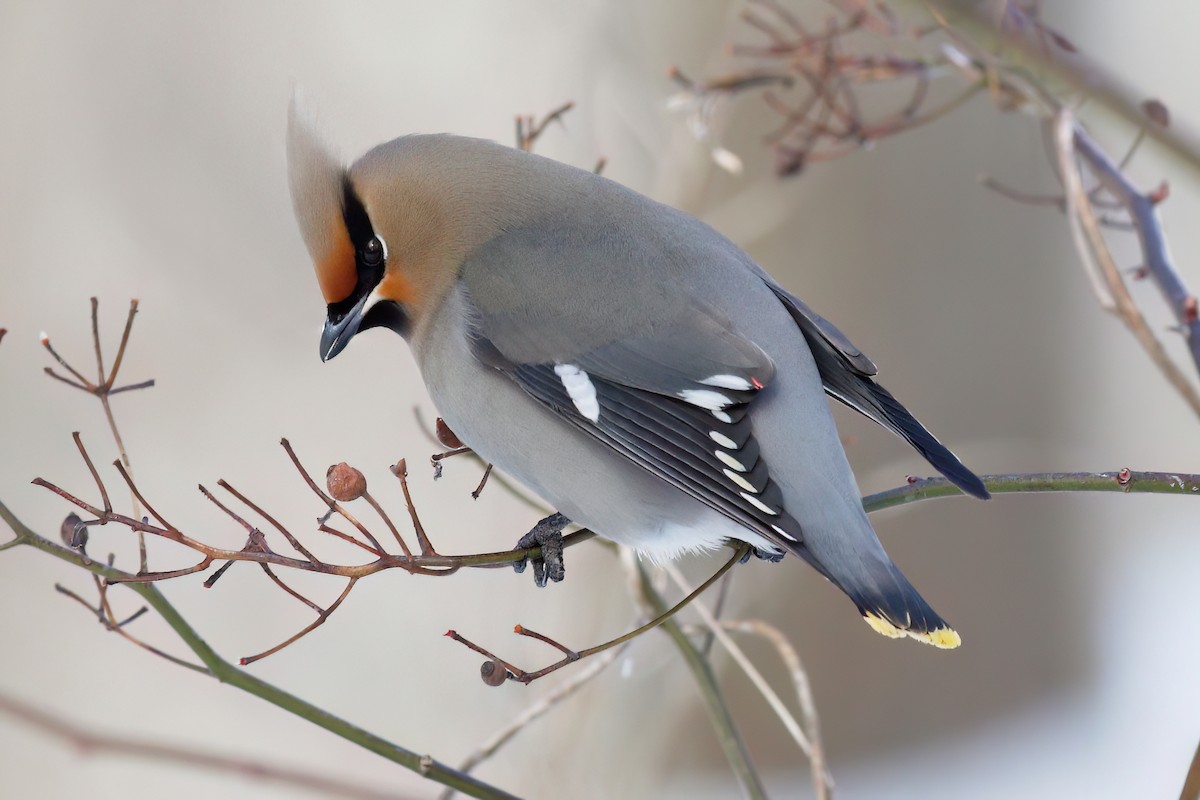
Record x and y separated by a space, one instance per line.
822 782
1143 210
529 131
127 476
804 696
102 389
1084 75
572 656
400 470
87 386
116 366
292 540
717 610
718 711
89 742
1191 782
318 622
92 469
388 522
289 590
538 709
110 622
1098 260
431 565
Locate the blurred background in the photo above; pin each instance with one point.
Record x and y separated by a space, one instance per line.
142 156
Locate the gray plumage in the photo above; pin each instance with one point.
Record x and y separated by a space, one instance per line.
620 358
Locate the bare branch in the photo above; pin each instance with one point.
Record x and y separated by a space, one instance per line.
571 656
1191 782
232 676
808 707
320 620
112 744
1093 251
1143 209
812 748
530 130
538 709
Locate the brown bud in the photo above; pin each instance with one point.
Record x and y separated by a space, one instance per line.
73 535
345 482
1157 111
493 672
446 436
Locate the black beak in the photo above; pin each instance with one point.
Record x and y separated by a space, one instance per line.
340 329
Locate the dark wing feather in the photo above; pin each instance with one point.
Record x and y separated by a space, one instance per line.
673 440
848 377
640 384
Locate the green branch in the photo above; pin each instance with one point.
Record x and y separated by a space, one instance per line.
714 701
226 672
1123 481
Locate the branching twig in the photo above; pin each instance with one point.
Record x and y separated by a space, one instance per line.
1098 260
257 550
1143 210
227 673
832 67
103 389
538 709
571 656
530 130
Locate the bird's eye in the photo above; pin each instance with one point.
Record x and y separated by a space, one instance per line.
372 253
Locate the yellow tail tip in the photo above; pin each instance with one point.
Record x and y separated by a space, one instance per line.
943 638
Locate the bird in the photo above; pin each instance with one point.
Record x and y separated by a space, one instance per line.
620 358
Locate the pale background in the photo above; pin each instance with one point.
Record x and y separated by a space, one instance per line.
142 155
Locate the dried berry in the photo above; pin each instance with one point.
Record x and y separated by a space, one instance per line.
345 482
73 535
493 672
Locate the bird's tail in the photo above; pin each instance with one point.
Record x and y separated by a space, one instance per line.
892 607
885 598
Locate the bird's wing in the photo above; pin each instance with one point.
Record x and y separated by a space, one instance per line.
675 400
848 376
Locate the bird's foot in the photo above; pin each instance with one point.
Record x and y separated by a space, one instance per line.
763 555
547 535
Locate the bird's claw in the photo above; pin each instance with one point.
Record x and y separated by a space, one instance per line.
547 535
764 555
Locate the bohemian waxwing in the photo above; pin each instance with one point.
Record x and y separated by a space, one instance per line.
620 358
